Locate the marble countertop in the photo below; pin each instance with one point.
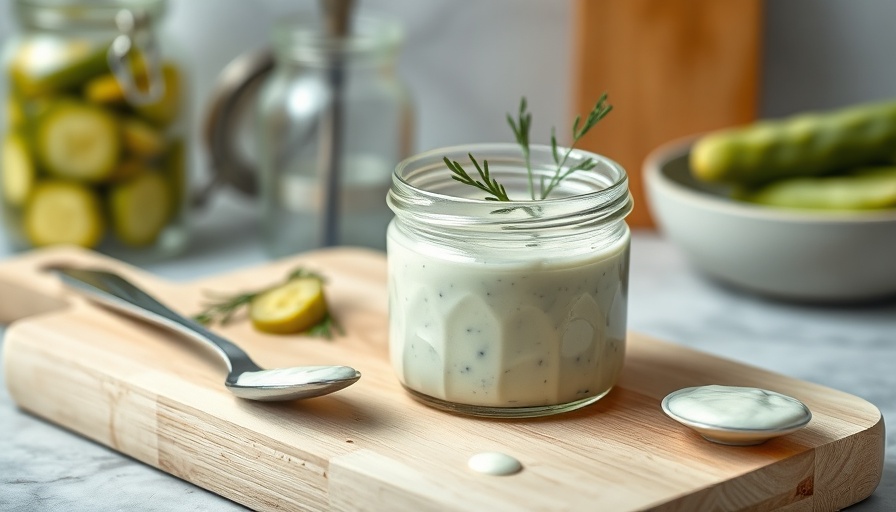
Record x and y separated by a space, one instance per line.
46 468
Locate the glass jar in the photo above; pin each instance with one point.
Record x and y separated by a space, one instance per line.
507 309
94 140
334 119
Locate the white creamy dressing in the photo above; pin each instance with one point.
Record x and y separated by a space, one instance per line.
286 376
494 463
738 408
495 333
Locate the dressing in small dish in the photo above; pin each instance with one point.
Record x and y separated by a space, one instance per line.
739 416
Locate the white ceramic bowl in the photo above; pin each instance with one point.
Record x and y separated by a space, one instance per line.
812 256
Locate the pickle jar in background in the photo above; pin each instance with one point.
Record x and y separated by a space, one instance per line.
330 102
94 136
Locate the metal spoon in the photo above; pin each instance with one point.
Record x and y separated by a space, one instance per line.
246 379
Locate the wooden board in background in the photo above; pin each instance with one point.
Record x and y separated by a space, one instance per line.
671 68
148 394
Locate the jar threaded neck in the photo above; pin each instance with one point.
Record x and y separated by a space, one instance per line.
424 191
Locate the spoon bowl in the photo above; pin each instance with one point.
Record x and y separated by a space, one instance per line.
245 378
291 383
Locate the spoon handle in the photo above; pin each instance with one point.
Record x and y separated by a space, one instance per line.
117 293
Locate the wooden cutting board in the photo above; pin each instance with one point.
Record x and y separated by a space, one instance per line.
159 399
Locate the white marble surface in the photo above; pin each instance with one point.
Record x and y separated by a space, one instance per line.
45 468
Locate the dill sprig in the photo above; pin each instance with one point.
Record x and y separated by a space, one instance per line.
222 307
491 186
325 328
521 127
600 111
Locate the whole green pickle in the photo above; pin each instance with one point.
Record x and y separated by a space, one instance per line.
811 144
862 189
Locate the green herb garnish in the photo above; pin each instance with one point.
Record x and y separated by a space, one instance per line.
491 186
222 307
325 328
521 127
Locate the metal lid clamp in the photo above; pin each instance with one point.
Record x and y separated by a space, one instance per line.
136 41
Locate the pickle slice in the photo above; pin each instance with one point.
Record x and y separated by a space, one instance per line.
290 308
15 112
77 141
176 173
863 189
104 90
18 170
128 169
141 139
61 212
164 111
140 208
46 66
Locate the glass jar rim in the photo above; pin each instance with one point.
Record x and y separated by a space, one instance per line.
607 201
302 38
67 14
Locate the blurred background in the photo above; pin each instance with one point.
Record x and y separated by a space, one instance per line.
467 62
672 68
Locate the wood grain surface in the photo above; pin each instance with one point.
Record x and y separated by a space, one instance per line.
672 68
161 400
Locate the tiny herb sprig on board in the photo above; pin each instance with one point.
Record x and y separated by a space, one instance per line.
221 308
521 127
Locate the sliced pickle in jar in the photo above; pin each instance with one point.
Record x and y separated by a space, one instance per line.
139 208
104 90
77 141
166 110
34 108
130 168
107 90
62 212
141 139
49 66
21 113
18 169
176 174
15 113
862 189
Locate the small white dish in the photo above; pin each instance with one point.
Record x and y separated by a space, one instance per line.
740 432
807 256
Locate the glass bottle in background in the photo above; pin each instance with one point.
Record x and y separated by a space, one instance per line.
94 140
295 139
